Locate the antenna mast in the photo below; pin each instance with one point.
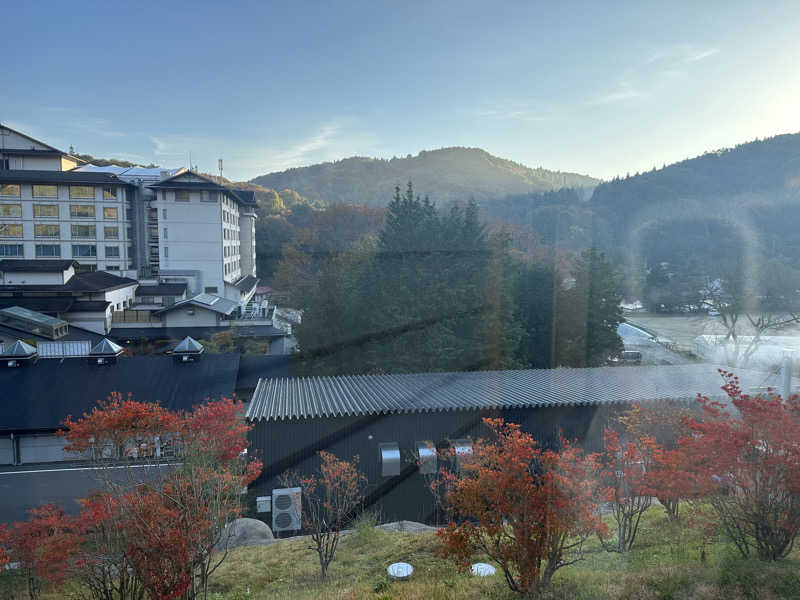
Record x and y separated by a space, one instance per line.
219 162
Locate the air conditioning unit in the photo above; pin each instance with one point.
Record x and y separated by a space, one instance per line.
286 509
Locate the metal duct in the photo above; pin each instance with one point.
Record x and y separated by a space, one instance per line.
390 459
463 451
426 455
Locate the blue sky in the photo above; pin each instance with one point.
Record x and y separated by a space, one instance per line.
597 87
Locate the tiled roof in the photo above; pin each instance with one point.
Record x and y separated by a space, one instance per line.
246 283
161 289
297 398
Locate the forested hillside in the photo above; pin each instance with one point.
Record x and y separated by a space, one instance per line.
448 174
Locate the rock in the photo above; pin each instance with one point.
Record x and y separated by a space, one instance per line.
406 527
400 571
483 570
246 532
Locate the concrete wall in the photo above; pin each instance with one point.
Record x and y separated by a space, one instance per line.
99 322
29 278
247 225
181 317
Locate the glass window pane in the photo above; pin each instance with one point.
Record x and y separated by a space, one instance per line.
181 196
82 251
10 210
45 210
81 191
10 229
15 250
83 231
45 191
109 193
110 212
81 211
112 251
46 230
48 250
9 189
111 233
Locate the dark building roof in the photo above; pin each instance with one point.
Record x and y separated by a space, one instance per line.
40 396
22 265
246 283
248 197
124 334
216 304
89 306
178 182
161 289
297 398
42 304
32 151
62 177
253 367
74 334
91 281
33 139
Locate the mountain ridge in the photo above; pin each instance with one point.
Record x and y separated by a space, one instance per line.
454 173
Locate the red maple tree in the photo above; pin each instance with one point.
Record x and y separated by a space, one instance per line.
528 508
329 499
627 465
157 529
744 459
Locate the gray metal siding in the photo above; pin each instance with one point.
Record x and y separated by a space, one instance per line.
41 448
6 450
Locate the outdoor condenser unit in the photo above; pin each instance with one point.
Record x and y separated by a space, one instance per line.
286 509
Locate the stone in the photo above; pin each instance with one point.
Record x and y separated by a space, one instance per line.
246 532
483 570
400 571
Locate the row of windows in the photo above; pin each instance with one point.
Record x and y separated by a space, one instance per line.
51 191
54 251
229 251
230 234
77 211
184 196
231 267
47 230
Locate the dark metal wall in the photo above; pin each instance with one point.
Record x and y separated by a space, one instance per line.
292 445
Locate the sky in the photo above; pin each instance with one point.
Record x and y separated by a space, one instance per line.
599 88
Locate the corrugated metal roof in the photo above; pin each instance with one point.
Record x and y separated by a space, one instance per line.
297 398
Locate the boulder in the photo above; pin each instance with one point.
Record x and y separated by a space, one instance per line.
246 532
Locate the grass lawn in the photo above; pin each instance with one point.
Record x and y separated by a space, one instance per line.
665 565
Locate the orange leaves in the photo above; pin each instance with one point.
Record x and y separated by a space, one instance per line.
527 507
158 532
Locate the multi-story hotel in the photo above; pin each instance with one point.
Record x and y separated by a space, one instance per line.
155 225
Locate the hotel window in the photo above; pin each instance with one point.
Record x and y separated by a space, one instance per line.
12 250
110 212
209 197
112 268
82 211
45 210
10 210
9 189
82 268
112 251
210 290
4 164
83 231
166 237
109 193
45 191
166 252
84 251
48 250
181 196
164 213
111 233
41 230
10 229
81 191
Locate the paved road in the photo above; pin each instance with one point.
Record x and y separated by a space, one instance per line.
653 353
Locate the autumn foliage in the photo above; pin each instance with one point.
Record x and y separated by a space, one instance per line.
744 459
330 498
155 531
528 508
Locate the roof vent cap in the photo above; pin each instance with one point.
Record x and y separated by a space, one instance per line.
188 350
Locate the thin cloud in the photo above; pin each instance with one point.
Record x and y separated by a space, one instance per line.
503 114
624 92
